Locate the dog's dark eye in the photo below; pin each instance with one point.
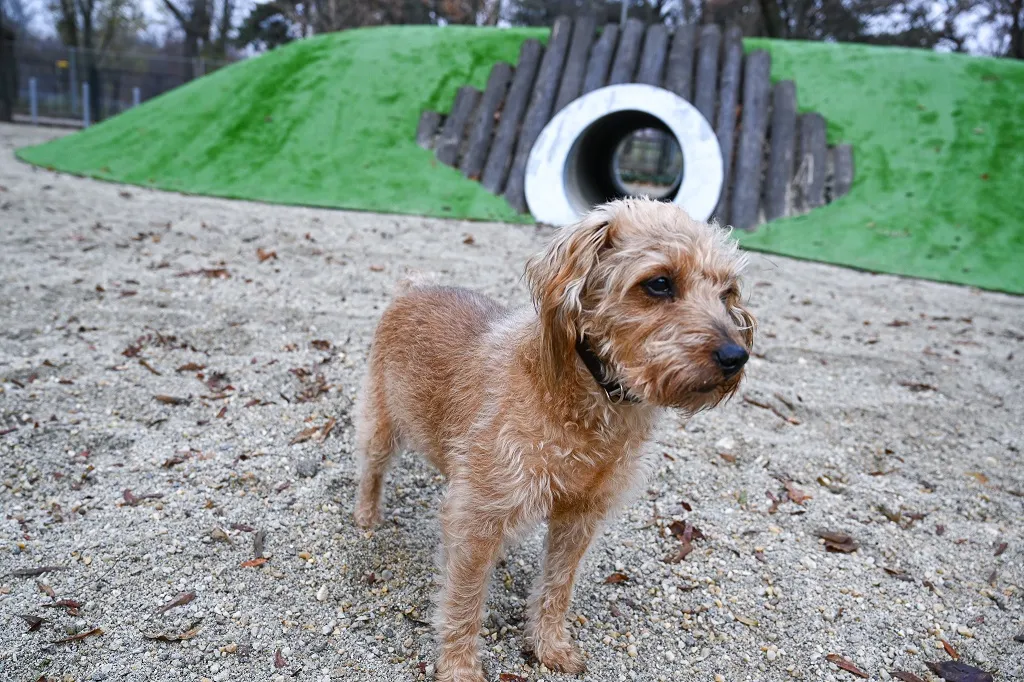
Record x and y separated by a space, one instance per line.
660 287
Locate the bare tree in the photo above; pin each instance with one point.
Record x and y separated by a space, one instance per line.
195 18
93 27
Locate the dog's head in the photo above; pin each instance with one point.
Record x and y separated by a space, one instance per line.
655 293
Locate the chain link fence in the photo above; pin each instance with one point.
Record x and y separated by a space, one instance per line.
63 85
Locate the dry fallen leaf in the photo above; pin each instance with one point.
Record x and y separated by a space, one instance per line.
132 500
905 676
685 533
191 367
838 542
70 604
1001 548
320 344
47 590
172 400
80 636
954 671
917 387
242 527
192 631
950 650
220 535
846 665
616 578
978 476
509 677
317 434
279 661
33 622
254 562
305 435
180 600
212 273
33 572
142 361
795 494
264 255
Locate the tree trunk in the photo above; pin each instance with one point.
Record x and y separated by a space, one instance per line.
8 70
92 73
1017 30
771 13
95 92
191 54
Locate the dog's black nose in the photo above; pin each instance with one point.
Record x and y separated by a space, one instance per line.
731 358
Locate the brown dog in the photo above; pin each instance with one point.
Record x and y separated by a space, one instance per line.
541 414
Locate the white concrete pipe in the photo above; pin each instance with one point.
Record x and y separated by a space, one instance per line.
571 167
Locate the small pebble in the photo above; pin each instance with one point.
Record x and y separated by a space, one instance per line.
321 594
631 650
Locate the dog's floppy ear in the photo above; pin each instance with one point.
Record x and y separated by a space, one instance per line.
746 323
557 277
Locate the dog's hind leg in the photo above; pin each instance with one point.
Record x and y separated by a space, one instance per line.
375 444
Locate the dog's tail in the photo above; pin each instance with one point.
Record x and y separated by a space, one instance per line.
415 280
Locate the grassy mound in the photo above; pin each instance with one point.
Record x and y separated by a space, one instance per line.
939 151
938 143
328 121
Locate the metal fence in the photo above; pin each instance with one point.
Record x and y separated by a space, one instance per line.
66 85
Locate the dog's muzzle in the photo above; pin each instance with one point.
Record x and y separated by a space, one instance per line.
730 358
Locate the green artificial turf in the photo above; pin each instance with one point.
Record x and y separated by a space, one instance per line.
939 153
330 121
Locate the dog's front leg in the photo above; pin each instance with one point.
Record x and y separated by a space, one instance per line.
471 548
570 531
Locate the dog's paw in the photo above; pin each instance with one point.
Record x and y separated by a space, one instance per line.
367 516
457 672
561 655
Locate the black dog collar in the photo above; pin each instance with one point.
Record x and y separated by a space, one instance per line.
615 391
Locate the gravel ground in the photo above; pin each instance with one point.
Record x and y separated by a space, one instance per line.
883 408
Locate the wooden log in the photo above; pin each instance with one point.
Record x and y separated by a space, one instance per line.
583 34
842 171
482 129
600 59
450 139
746 195
679 72
539 112
628 53
499 156
653 55
778 197
725 123
812 170
706 92
426 131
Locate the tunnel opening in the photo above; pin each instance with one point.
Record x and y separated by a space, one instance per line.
625 153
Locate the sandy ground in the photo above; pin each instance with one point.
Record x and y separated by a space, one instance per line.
893 408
